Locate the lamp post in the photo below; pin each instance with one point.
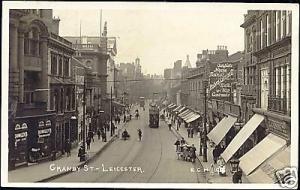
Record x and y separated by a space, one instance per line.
111 123
84 113
205 82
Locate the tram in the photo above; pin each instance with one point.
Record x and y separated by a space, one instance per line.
153 115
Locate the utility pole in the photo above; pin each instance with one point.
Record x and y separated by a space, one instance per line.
84 110
111 122
205 129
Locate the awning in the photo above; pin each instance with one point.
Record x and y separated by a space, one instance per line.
186 117
184 113
170 105
266 171
193 118
181 109
242 136
176 109
221 129
261 152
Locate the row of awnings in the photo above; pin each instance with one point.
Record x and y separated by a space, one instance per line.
184 113
255 157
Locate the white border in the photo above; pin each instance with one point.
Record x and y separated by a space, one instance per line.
144 5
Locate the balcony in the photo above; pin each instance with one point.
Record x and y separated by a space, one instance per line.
225 107
249 90
32 63
278 105
61 39
89 47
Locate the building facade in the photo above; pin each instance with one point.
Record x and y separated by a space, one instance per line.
34 111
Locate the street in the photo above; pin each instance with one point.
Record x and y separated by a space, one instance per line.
154 155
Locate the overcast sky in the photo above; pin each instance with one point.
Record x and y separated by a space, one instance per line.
161 36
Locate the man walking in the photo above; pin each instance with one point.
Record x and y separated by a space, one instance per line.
98 134
88 142
68 148
170 124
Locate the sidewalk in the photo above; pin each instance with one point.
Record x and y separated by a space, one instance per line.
212 177
42 172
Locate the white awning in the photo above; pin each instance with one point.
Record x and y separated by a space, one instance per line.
265 173
177 108
262 151
184 113
242 136
181 109
186 117
221 129
193 118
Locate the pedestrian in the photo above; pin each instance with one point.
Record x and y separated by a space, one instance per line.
191 132
178 124
215 154
88 142
68 148
170 124
193 153
103 136
221 166
140 134
188 132
237 177
177 143
81 154
98 134
182 141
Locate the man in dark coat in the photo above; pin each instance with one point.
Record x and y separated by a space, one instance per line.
88 142
81 154
98 134
68 147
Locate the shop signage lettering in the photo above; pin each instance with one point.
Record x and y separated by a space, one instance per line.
44 131
20 135
220 80
48 123
41 124
19 127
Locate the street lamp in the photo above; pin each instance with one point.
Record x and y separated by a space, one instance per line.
205 83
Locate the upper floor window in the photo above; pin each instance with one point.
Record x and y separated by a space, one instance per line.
282 22
31 43
288 22
66 66
261 34
60 66
53 64
267 30
277 15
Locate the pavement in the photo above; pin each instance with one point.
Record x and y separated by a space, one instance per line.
211 177
42 172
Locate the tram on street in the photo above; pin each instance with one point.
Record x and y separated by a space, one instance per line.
153 115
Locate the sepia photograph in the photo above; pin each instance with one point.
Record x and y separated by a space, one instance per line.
156 95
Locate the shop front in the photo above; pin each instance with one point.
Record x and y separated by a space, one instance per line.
33 139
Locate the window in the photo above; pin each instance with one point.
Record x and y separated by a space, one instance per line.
28 95
268 30
261 34
282 24
60 66
26 43
66 67
288 22
277 25
53 64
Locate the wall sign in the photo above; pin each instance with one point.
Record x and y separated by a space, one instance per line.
41 124
48 123
220 80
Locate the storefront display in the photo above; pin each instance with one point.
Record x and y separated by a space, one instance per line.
20 144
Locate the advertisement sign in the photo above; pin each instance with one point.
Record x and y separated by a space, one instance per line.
220 81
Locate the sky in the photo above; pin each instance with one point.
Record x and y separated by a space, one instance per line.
160 36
